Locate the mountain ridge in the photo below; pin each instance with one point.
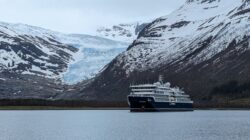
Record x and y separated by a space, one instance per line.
125 32
40 63
80 44
200 46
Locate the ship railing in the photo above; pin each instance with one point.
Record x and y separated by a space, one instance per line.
142 95
136 90
143 86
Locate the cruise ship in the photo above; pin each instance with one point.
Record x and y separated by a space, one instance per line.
158 96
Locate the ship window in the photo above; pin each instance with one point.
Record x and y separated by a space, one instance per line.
160 92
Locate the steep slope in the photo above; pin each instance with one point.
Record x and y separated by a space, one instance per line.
200 46
32 53
35 61
74 50
31 63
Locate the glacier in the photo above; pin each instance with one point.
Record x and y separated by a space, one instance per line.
93 52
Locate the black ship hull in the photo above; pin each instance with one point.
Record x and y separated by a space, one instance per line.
138 104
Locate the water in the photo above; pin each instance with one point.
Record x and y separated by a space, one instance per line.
123 125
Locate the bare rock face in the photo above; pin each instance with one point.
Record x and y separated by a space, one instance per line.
201 46
19 86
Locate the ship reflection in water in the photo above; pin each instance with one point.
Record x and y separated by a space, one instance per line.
158 96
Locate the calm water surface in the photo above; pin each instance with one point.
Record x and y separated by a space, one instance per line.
123 125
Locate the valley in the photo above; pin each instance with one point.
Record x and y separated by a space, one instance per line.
202 47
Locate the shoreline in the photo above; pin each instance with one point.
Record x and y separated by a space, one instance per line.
34 108
42 104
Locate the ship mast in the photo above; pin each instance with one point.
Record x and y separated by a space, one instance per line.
161 79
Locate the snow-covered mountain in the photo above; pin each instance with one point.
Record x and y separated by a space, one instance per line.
197 31
24 50
122 32
201 45
32 50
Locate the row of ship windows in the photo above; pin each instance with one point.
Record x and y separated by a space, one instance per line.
143 87
183 99
167 99
150 88
144 91
158 92
163 88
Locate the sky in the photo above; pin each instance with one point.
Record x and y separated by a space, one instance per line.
83 16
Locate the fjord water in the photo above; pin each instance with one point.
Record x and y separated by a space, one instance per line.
123 125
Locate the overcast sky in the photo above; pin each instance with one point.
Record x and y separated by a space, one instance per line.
83 16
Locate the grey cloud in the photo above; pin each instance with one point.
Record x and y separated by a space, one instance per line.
83 16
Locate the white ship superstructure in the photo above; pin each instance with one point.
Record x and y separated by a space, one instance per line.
158 95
